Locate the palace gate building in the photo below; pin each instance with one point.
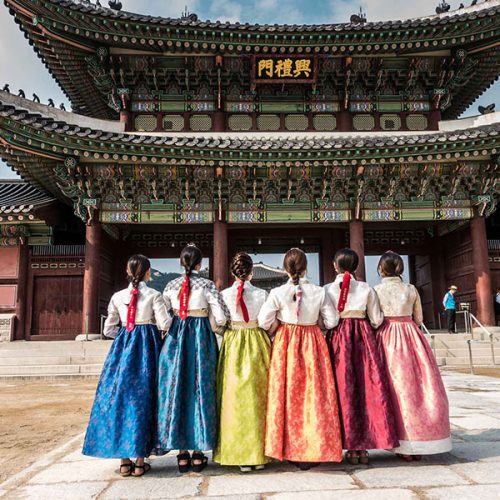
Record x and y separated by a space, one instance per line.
246 137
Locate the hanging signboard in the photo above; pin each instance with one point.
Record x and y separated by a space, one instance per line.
284 69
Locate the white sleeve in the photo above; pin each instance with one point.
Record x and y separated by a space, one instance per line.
219 314
373 311
329 316
162 316
268 315
418 315
111 325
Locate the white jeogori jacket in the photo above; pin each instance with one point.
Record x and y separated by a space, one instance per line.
254 300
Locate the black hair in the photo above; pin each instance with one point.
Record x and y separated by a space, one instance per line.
191 256
390 264
137 267
346 260
241 266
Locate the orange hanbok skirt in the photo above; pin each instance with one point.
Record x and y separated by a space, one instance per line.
302 423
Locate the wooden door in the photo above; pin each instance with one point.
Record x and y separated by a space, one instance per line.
57 307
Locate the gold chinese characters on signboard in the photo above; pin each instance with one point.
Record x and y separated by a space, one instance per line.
301 69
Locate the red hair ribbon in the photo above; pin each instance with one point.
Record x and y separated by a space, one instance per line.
344 291
132 309
240 302
298 298
184 298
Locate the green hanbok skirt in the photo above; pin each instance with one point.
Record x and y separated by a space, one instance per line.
242 375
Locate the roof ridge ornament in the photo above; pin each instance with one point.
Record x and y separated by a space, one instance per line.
359 18
188 16
443 7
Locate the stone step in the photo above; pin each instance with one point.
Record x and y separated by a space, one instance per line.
464 361
29 349
52 360
49 370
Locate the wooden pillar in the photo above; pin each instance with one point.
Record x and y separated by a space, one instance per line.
90 310
327 254
439 285
344 121
357 243
220 256
482 278
126 118
22 289
219 124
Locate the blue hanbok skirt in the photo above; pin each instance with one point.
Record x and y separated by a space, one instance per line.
123 419
187 404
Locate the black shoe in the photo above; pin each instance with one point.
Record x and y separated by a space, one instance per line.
185 467
198 456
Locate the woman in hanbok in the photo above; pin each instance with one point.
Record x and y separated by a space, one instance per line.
187 415
123 419
416 388
242 374
364 398
302 424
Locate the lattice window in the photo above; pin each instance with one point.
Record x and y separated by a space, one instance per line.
417 122
296 122
325 122
145 123
268 122
240 122
390 122
363 122
200 123
174 123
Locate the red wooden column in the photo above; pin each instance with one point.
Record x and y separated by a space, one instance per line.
90 310
357 243
220 256
485 313
327 254
439 285
22 291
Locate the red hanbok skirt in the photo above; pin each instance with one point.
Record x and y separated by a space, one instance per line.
365 400
302 422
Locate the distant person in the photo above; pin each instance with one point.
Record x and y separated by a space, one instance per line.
450 308
497 302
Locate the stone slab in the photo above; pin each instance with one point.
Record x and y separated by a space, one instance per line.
380 494
153 488
285 481
98 470
416 475
473 451
476 422
76 491
481 473
472 492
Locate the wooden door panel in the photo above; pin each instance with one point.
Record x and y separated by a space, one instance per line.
57 306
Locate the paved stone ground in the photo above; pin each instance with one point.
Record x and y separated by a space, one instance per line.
470 471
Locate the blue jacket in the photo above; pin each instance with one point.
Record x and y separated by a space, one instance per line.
449 301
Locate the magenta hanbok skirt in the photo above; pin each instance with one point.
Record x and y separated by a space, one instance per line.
365 401
417 391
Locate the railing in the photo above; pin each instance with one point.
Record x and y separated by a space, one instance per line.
432 337
492 347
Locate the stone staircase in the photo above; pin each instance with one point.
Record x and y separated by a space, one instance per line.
52 359
452 350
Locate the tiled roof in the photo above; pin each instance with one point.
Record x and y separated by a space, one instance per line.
18 199
262 271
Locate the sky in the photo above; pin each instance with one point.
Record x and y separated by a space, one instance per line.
20 67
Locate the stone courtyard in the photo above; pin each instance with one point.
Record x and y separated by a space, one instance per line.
470 471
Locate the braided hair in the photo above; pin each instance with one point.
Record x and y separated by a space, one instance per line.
137 267
295 264
241 266
191 256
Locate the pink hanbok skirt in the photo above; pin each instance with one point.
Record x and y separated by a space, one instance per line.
418 395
